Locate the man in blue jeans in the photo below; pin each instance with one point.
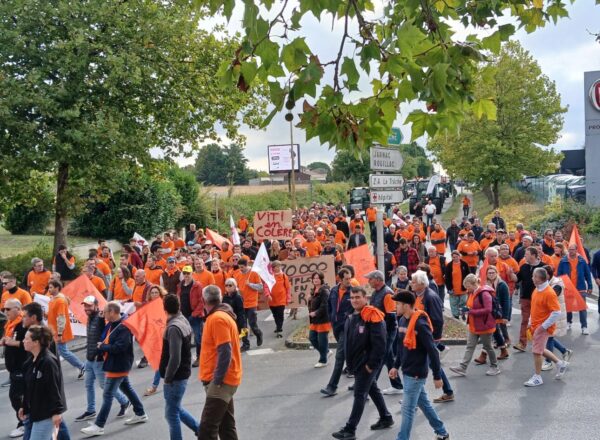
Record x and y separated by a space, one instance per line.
116 347
94 361
416 353
577 269
176 367
364 347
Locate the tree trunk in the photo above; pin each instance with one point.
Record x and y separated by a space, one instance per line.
496 194
487 191
60 219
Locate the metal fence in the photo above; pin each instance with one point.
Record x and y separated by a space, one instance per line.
546 189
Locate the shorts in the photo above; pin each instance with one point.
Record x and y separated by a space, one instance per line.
540 338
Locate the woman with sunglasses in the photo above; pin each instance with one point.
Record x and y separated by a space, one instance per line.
232 296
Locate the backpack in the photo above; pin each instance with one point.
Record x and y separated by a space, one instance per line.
496 309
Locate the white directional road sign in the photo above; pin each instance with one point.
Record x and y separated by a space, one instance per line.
385 159
384 197
383 181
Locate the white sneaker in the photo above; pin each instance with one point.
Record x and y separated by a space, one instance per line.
391 391
493 371
93 430
567 356
320 364
569 326
137 419
17 432
535 381
585 331
547 366
561 369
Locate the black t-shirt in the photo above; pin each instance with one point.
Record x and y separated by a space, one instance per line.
186 307
525 276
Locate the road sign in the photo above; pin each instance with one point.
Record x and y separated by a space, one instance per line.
385 181
395 137
385 159
383 197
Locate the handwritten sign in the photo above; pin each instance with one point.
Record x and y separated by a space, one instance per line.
273 225
300 272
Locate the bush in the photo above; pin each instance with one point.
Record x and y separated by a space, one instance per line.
31 219
19 264
144 203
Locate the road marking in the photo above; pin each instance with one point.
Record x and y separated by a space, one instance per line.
259 351
269 318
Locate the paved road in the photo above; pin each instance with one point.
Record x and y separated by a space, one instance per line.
279 398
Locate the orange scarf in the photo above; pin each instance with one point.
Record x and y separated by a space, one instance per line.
410 339
371 314
9 329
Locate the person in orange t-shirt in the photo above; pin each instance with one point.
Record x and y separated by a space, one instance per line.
98 282
37 279
201 275
177 241
357 221
438 239
437 267
313 247
545 312
153 271
121 287
243 225
168 246
226 252
469 250
220 338
60 323
250 286
12 291
281 294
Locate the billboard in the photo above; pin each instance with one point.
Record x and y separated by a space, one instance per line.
280 159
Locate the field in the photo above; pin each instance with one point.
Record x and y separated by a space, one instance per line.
11 245
223 191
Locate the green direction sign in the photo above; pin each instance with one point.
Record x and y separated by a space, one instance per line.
395 137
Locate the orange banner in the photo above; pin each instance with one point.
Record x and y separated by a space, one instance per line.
576 239
361 259
148 326
574 302
217 239
76 291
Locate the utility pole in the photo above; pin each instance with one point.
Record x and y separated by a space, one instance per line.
290 117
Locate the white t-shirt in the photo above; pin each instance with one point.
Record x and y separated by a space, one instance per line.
429 209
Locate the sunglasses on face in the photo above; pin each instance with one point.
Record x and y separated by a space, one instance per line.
7 310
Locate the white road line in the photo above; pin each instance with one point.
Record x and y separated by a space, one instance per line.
269 318
259 351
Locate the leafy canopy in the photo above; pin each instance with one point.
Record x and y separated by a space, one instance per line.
409 51
529 118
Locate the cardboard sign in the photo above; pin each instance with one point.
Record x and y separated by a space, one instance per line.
362 260
273 225
300 272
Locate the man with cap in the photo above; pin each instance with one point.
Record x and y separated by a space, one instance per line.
94 361
192 306
171 276
416 353
382 299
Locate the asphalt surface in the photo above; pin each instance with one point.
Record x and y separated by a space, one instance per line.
279 398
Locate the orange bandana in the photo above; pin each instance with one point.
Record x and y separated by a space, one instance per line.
410 339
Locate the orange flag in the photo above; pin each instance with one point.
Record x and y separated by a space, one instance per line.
576 239
361 259
148 326
217 239
574 302
483 272
76 291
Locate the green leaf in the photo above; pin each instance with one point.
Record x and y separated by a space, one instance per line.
419 121
352 75
493 42
294 54
405 91
485 107
439 78
248 71
538 4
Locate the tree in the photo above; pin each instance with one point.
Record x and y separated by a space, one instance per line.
211 165
89 89
318 166
409 51
221 166
346 166
529 118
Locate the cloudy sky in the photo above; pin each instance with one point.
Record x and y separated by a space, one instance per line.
564 51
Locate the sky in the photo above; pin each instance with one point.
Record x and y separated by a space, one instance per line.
564 51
